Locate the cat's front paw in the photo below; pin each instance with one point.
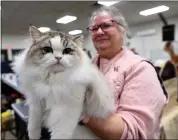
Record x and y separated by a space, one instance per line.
34 134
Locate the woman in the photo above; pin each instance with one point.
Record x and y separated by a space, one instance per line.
174 57
139 96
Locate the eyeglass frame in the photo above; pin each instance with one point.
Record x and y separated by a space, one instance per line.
100 25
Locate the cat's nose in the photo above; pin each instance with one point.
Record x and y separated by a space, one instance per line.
58 58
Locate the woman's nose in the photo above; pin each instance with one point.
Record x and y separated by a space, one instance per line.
99 31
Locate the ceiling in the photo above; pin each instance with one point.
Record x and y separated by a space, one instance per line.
18 15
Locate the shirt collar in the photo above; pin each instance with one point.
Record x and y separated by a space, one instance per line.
106 61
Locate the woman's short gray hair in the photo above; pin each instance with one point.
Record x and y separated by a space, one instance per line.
114 13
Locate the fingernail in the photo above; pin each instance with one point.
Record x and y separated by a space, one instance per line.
85 120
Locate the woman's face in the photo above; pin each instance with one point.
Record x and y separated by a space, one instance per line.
106 35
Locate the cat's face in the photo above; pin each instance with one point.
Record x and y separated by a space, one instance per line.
54 51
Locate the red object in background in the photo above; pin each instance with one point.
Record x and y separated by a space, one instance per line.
9 48
13 95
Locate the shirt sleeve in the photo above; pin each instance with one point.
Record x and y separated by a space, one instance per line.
141 103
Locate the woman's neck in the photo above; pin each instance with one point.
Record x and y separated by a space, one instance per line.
111 54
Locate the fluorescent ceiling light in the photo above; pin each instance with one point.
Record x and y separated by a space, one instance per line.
154 10
66 19
44 29
75 32
107 3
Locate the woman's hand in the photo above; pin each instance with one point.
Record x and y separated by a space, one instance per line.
111 127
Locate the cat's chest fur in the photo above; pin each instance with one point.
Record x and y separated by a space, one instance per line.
62 89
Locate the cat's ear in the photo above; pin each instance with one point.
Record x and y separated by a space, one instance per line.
79 39
35 33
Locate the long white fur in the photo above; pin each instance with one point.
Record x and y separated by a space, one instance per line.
59 101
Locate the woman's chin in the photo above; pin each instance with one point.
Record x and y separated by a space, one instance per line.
102 47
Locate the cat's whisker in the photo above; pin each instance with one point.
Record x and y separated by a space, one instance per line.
44 71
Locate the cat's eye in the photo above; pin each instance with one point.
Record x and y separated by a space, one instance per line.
47 49
67 51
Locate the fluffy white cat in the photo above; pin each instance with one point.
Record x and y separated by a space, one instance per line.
61 85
